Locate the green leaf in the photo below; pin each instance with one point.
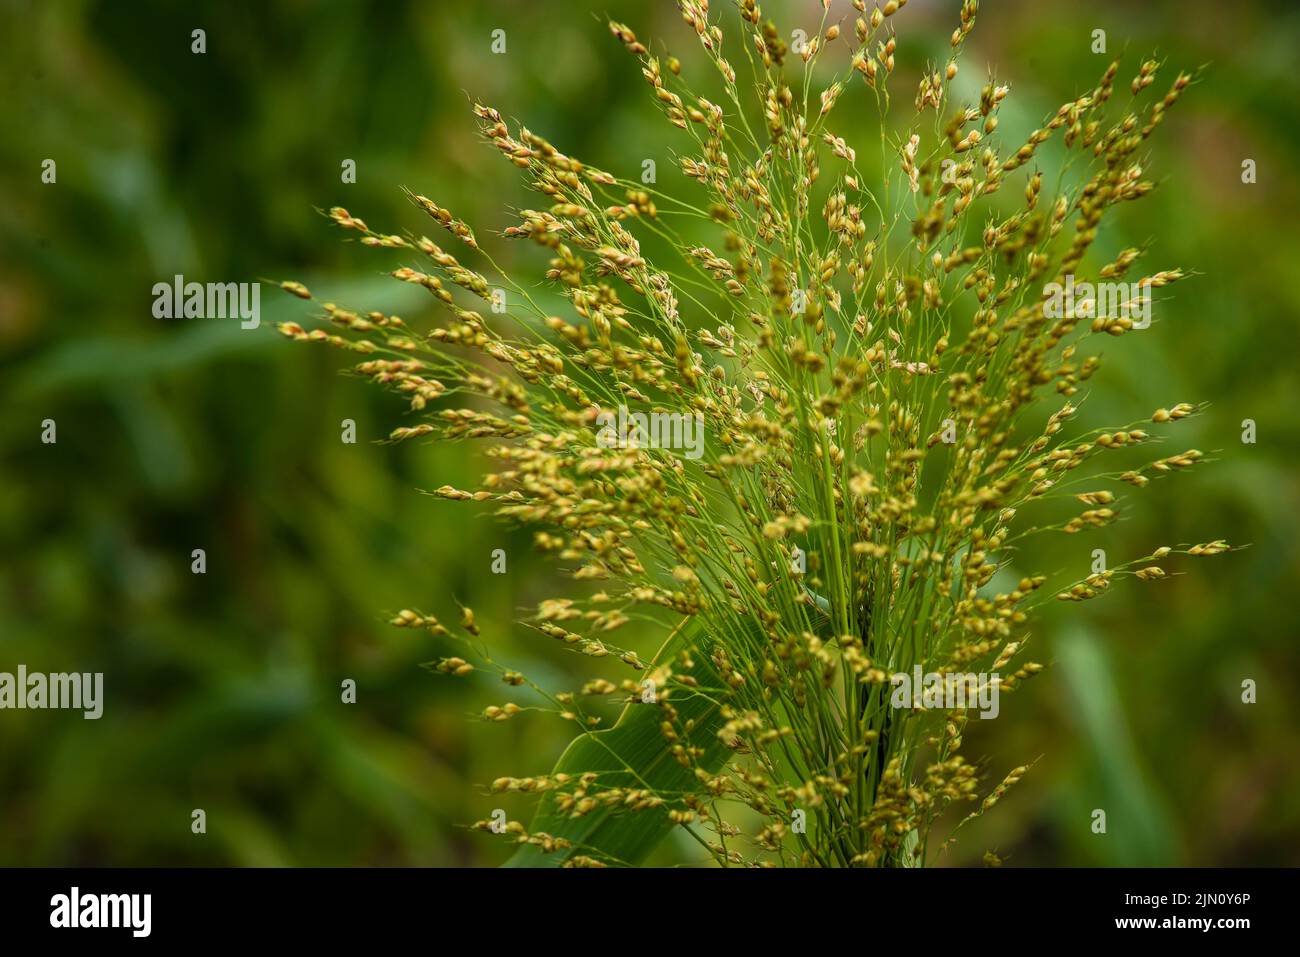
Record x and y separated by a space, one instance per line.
1135 808
634 754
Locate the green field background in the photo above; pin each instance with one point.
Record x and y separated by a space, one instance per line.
222 690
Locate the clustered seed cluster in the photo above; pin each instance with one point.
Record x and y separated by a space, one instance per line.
870 356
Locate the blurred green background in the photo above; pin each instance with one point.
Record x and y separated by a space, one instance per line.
223 690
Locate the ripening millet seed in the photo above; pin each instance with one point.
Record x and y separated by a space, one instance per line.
881 403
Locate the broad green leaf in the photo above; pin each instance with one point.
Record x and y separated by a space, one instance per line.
633 753
1133 803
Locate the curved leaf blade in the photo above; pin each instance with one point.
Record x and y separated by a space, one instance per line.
634 754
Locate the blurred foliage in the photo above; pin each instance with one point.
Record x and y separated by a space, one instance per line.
223 690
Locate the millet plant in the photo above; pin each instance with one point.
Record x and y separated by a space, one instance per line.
887 404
